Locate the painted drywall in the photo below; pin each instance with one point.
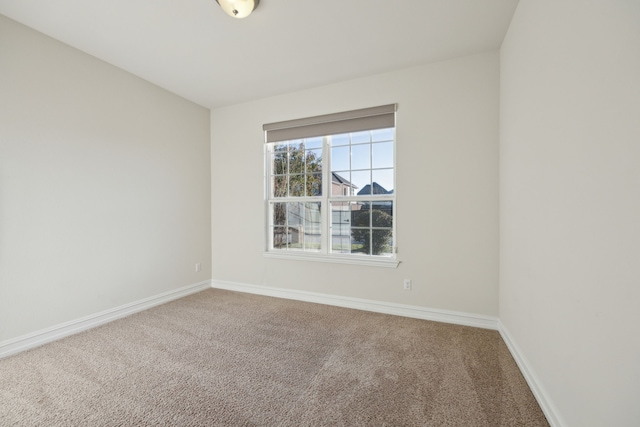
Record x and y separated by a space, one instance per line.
104 185
570 204
446 186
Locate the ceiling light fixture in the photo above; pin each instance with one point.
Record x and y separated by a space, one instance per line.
238 8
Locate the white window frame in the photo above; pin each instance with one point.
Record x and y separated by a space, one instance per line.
325 255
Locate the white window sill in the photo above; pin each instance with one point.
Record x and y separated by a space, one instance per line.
387 262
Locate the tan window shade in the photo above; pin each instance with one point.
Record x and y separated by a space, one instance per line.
330 124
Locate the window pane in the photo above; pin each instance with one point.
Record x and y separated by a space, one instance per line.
294 237
342 139
279 213
312 243
313 159
313 217
384 180
296 185
362 181
311 227
280 160
296 158
295 214
358 137
360 215
382 242
361 156
340 216
360 241
314 184
340 227
281 147
280 237
382 134
341 184
280 186
311 143
382 214
340 158
382 155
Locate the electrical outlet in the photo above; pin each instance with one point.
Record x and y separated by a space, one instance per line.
407 284
198 267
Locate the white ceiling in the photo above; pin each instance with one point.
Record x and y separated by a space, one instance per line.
192 48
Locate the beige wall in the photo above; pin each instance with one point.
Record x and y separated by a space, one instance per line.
111 190
104 185
447 188
570 203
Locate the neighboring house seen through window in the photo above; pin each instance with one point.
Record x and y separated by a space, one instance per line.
331 185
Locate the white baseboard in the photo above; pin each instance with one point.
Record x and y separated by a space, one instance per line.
539 392
35 339
458 318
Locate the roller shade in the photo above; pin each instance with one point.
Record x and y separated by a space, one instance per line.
372 118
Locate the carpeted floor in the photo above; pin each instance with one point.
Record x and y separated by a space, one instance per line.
224 358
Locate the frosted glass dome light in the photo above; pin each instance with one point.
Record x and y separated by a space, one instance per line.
238 8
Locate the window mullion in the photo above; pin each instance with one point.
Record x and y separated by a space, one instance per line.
325 220
371 167
268 189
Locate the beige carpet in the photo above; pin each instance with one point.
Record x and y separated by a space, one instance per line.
224 358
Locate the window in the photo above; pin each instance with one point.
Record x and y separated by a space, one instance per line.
331 187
